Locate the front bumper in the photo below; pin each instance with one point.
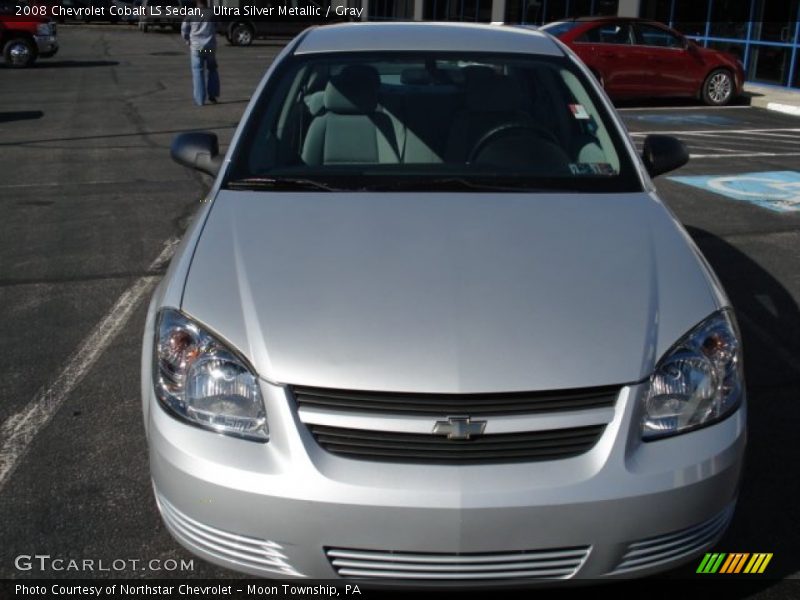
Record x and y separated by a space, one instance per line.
288 508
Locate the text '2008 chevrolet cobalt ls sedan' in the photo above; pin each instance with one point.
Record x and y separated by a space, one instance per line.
433 323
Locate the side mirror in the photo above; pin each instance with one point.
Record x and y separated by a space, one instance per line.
663 153
197 150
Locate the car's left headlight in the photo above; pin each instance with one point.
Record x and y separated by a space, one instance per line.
203 381
699 381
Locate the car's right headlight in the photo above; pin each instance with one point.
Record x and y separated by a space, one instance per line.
698 382
44 29
201 380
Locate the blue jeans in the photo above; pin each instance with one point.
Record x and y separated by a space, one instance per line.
202 62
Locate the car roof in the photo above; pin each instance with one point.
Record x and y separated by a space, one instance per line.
426 36
603 18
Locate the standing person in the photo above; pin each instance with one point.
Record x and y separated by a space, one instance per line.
200 34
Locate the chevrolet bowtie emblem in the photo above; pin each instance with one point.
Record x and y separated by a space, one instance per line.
459 428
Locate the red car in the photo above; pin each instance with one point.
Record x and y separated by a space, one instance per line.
25 34
634 58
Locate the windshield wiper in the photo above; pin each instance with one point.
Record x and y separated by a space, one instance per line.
281 183
421 184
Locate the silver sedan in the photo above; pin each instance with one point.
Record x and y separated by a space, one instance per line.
434 323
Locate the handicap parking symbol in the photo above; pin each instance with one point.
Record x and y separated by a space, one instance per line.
774 190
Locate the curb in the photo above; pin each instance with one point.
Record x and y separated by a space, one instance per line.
786 103
789 109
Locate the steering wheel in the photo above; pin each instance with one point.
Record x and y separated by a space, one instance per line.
507 129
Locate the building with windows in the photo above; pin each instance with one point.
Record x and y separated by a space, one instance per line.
764 34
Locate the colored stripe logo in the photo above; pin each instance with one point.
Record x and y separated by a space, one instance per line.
735 562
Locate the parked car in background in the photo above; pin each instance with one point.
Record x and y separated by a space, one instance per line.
432 322
635 58
241 31
85 11
23 39
156 14
71 6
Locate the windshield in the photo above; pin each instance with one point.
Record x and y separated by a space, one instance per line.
430 121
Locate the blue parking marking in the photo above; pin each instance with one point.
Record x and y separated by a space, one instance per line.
665 119
774 190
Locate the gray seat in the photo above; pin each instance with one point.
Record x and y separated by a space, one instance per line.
351 128
490 100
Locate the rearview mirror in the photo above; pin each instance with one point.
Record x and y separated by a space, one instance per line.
663 153
197 150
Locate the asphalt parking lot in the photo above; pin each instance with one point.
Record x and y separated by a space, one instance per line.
92 208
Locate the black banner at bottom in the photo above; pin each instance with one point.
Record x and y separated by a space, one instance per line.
732 588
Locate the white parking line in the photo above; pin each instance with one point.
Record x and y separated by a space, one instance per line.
21 428
714 150
746 155
772 135
672 108
741 147
739 142
715 131
779 138
735 143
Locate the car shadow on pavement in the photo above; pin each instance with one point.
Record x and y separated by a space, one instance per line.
767 517
124 134
220 102
66 64
20 115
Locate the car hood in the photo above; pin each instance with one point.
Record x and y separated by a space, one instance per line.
447 292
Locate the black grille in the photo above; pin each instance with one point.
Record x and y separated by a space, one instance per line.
444 405
423 448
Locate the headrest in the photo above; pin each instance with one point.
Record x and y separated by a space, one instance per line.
317 80
486 91
315 103
353 91
415 77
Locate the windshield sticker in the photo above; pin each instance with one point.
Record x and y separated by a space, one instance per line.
579 112
592 169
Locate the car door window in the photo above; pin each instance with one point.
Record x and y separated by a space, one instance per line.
650 35
608 33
